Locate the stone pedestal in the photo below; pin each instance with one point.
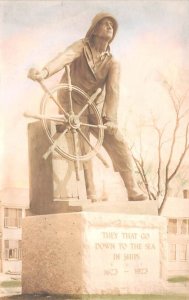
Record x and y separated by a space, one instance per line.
147 207
94 253
52 180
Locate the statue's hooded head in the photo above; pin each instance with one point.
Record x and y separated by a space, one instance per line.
98 18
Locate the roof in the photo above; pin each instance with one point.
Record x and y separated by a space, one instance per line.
176 208
15 197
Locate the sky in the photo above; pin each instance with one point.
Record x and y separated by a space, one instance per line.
152 41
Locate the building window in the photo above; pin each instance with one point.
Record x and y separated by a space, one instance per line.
13 249
172 252
172 226
13 217
185 226
183 252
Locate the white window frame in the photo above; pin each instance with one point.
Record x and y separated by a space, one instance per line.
185 252
168 231
17 250
12 222
187 226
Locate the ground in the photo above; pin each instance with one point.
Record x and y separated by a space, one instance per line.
126 297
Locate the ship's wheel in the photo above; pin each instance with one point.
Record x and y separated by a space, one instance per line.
70 122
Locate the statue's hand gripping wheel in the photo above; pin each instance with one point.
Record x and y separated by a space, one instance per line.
52 111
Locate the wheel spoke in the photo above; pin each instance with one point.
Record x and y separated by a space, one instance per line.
52 97
76 162
58 118
85 138
54 145
92 125
93 148
91 100
69 88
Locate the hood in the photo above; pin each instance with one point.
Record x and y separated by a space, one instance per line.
97 19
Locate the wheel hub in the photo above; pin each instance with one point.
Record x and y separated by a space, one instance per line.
74 121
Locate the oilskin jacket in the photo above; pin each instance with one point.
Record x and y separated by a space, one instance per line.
89 76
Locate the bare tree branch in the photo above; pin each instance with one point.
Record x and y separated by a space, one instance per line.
159 162
142 173
168 140
184 114
186 147
185 94
179 116
171 91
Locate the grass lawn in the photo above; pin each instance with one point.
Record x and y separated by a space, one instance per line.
10 284
178 279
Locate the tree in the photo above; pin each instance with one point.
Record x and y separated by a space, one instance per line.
167 165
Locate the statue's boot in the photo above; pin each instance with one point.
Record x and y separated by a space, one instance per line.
134 193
